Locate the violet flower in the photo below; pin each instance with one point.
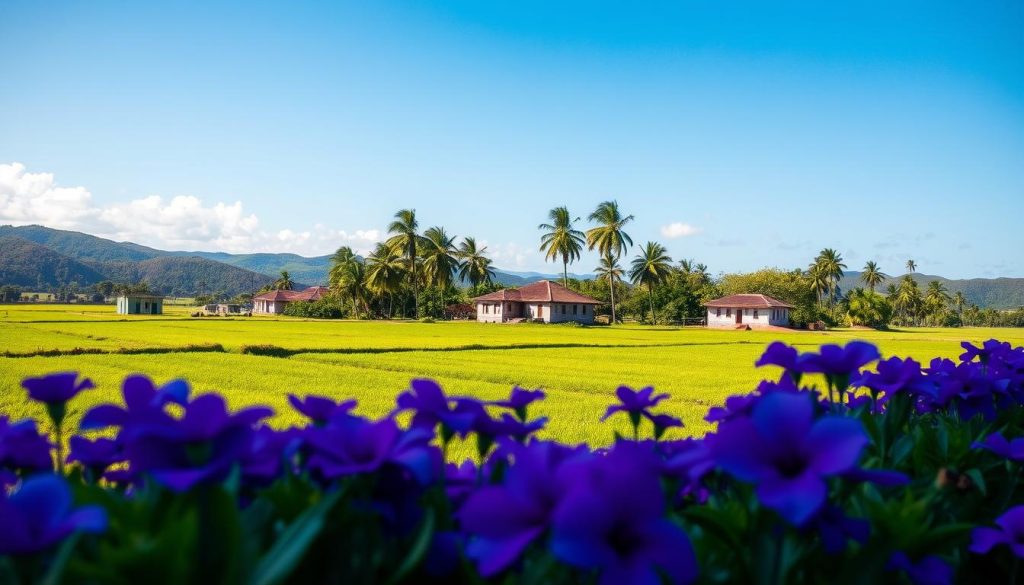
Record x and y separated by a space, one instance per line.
663 422
432 408
983 353
352 445
56 388
95 456
635 403
929 570
836 528
320 409
1010 532
503 520
22 449
998 444
786 357
519 399
893 375
612 519
39 514
788 454
144 405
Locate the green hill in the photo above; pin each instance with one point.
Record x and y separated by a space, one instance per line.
30 265
995 293
81 247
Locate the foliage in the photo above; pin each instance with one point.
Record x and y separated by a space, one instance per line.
792 287
892 471
324 308
865 307
561 240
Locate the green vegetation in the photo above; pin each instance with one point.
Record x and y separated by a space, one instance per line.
580 367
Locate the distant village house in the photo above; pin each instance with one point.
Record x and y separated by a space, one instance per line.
544 301
273 302
747 310
140 304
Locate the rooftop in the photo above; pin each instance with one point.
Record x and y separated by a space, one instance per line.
748 301
542 291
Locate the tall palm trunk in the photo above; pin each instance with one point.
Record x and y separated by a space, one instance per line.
650 295
611 288
565 271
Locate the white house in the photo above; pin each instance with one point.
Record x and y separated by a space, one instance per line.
139 304
543 301
273 302
747 310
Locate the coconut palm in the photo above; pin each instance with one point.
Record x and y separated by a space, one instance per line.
406 239
830 263
385 270
651 267
560 240
908 299
610 271
609 238
349 279
872 275
936 298
818 281
959 301
284 282
911 266
476 268
440 259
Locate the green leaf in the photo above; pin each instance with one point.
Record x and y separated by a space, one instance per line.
419 548
55 574
978 479
291 544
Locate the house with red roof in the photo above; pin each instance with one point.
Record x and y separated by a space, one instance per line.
273 302
543 300
747 311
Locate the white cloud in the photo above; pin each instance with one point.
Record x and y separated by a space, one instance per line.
679 229
178 223
512 256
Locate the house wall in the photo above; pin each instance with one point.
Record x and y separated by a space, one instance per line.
491 311
127 306
499 312
265 307
727 319
563 312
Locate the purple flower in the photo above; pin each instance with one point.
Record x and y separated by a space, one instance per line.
634 402
433 408
22 448
352 445
788 454
894 375
144 404
734 406
200 447
503 520
836 528
56 388
663 422
1010 532
839 362
930 570
519 399
985 352
320 409
998 444
784 356
39 514
612 519
95 456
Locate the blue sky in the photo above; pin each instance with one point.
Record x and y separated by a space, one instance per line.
763 131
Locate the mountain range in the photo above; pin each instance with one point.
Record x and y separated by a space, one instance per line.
37 257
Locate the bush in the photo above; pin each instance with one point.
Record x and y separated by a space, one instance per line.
265 350
889 474
325 308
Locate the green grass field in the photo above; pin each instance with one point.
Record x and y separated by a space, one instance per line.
373 361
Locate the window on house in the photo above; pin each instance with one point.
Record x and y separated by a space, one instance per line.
755 313
563 309
728 312
575 308
584 309
718 312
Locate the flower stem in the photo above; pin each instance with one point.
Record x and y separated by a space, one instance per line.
59 436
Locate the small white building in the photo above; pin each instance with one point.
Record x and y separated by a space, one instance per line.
747 311
543 300
139 304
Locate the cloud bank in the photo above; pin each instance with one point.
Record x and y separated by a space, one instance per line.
679 229
176 223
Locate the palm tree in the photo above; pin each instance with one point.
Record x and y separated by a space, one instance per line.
959 301
476 268
650 268
911 266
608 238
440 259
908 299
830 263
818 281
285 282
349 279
560 240
385 269
936 298
609 270
872 276
406 239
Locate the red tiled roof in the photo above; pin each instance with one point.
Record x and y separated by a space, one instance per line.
313 293
748 301
543 291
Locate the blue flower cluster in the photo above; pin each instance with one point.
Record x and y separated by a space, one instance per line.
845 460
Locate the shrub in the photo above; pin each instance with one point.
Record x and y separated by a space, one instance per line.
892 473
325 308
265 350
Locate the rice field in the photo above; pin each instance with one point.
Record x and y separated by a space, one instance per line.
372 361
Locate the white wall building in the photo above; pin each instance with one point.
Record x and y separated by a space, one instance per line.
542 301
747 310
